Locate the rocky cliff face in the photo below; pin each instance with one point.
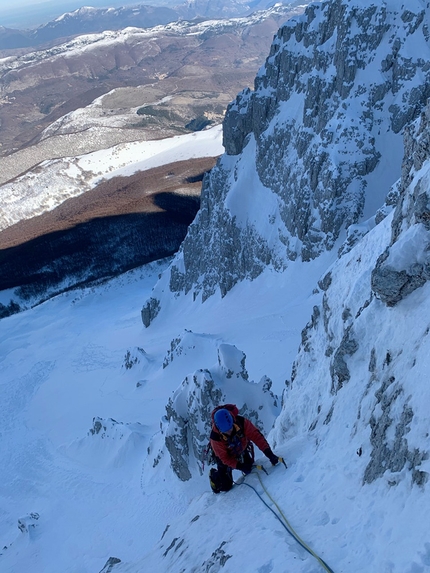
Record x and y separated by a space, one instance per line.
405 264
187 425
306 150
361 346
368 335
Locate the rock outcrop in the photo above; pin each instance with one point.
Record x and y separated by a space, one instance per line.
405 264
353 355
187 424
303 149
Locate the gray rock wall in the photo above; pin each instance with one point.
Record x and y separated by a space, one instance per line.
356 385
405 264
339 84
317 159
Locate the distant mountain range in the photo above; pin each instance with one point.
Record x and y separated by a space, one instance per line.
88 20
101 90
85 21
208 62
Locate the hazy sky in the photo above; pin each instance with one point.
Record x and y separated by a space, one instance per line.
44 4
13 7
32 13
19 3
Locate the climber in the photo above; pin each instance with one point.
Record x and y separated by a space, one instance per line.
232 440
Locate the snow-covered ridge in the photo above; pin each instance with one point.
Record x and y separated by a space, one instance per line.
405 264
88 19
306 149
96 412
88 42
55 181
353 429
353 426
79 12
354 421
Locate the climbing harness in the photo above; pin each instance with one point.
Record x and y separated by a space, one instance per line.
282 518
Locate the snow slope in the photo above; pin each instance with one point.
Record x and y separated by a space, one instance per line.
84 388
87 484
96 494
53 182
63 364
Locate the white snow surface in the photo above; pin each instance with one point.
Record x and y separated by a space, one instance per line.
70 498
51 183
84 386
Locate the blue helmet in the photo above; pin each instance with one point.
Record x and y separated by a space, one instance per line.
223 420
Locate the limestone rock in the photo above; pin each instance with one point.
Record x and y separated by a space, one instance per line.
187 424
302 149
405 264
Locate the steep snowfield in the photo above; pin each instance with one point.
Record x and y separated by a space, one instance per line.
359 507
306 151
87 477
63 363
84 496
96 494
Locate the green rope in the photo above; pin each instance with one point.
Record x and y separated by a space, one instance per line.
285 523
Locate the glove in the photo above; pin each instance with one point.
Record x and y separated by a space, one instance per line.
274 459
246 468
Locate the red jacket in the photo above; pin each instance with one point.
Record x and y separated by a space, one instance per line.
228 449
